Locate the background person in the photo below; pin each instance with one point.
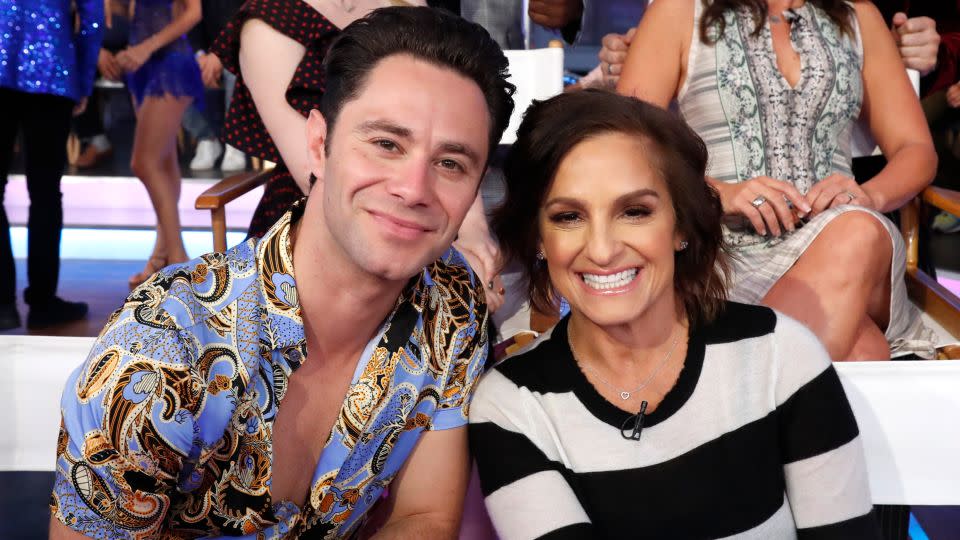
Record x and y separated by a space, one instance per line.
163 79
775 90
46 73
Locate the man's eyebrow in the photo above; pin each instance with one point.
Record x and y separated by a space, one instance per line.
462 149
385 125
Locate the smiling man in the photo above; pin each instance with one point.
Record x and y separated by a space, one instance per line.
276 390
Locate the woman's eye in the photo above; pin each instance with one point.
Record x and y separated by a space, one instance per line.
637 212
565 217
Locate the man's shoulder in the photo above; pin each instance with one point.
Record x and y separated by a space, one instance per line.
182 296
453 275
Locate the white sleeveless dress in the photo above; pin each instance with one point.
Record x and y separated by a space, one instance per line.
755 124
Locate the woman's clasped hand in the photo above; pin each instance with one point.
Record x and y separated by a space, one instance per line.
776 207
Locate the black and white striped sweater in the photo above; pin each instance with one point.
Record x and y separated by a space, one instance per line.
755 440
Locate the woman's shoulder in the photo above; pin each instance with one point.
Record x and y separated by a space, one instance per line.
540 367
738 322
747 322
294 19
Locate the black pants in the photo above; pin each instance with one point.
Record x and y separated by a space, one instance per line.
44 121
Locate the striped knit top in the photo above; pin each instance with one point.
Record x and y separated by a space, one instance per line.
755 440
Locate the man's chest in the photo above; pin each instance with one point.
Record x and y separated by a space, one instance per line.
309 411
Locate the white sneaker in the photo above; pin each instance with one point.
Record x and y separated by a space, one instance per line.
233 160
208 150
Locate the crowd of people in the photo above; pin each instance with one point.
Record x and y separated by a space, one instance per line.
332 375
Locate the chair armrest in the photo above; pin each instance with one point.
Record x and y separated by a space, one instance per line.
942 198
230 188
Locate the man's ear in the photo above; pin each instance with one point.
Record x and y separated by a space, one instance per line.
316 143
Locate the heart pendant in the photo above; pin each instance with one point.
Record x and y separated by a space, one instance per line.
624 395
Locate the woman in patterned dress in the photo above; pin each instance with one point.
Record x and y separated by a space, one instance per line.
164 79
774 88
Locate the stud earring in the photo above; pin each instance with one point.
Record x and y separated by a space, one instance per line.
540 255
683 245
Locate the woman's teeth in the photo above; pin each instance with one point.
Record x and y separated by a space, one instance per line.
609 281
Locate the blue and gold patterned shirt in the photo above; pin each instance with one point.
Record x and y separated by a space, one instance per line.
167 426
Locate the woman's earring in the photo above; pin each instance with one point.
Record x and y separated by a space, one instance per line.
683 245
540 256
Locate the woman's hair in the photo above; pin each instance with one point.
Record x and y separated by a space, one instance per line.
838 10
552 128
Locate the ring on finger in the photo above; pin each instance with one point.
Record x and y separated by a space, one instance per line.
490 284
609 69
850 197
759 201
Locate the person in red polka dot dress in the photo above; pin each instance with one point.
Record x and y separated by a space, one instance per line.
305 29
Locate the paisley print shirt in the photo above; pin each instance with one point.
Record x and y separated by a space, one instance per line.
167 426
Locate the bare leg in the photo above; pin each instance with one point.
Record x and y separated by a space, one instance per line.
154 147
176 251
840 287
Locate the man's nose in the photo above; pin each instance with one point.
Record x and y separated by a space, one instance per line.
413 183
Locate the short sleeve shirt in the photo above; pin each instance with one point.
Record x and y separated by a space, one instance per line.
167 426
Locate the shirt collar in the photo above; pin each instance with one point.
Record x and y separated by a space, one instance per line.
281 321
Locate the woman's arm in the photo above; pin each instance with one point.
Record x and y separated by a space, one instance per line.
184 18
481 251
525 494
656 60
823 463
896 120
268 61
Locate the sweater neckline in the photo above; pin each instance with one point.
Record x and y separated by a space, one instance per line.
609 413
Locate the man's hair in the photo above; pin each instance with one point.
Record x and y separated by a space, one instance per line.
549 132
430 35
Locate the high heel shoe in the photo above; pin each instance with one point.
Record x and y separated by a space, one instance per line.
154 263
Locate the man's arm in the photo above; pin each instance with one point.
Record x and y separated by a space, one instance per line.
426 498
563 15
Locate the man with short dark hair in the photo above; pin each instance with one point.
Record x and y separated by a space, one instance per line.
233 396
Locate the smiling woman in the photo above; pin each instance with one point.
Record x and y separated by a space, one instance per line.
657 408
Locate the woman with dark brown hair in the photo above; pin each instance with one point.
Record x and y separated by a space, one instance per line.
775 87
657 408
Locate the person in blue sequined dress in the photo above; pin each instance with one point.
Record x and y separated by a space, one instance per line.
164 80
48 53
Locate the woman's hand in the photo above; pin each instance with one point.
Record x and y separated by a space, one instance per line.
764 201
613 55
838 190
210 69
108 66
953 95
483 254
132 58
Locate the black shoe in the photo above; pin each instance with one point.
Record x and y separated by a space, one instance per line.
56 311
9 318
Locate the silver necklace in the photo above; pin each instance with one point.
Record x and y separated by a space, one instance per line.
624 394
